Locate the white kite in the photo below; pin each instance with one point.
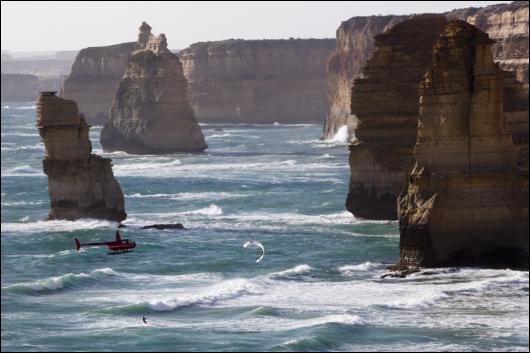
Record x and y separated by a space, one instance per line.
256 244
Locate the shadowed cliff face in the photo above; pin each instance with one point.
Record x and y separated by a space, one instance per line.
151 113
80 184
24 87
507 24
260 81
385 102
95 75
466 202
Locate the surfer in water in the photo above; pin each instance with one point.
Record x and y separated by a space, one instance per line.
144 320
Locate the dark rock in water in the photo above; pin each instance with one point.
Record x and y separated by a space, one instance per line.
165 226
121 225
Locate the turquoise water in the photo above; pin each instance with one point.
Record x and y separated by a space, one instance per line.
317 288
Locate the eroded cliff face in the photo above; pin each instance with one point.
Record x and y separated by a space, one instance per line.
355 45
151 112
466 201
258 81
507 24
94 78
385 102
80 184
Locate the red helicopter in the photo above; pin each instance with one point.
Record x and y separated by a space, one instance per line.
117 246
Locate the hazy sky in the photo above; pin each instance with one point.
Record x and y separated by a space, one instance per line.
43 26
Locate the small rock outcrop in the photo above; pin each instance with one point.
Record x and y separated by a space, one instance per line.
80 184
151 112
94 78
466 201
258 81
385 102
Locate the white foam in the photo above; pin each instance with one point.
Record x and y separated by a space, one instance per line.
223 291
59 282
24 107
276 123
57 226
219 135
212 210
186 196
19 134
22 203
349 270
298 270
23 170
342 135
39 147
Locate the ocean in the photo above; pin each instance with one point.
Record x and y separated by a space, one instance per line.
318 287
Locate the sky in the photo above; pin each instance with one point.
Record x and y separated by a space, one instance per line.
53 26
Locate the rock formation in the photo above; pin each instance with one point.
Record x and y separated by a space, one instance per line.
80 184
151 112
355 45
95 75
385 101
466 201
258 81
507 24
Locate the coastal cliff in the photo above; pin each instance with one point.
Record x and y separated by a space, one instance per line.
385 102
94 78
355 45
466 201
151 112
80 184
507 24
258 81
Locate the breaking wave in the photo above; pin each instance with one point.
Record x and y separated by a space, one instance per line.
298 270
227 290
65 281
57 226
23 170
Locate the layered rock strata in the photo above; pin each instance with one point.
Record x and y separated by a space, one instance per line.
258 81
507 24
94 78
355 45
466 201
385 101
80 184
151 112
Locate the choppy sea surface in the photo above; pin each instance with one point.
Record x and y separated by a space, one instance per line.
317 288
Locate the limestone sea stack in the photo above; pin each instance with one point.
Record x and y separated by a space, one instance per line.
466 201
80 184
94 78
258 81
385 102
151 113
